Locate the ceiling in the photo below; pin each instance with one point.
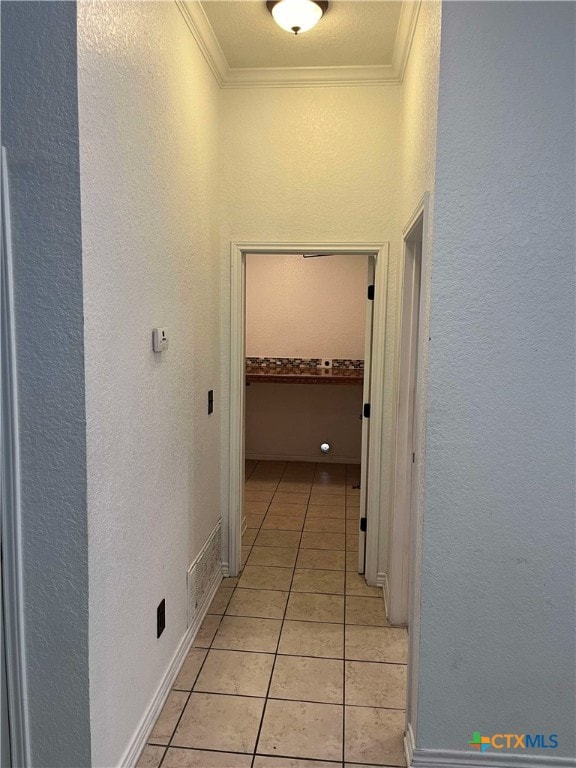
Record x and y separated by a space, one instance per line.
356 41
351 33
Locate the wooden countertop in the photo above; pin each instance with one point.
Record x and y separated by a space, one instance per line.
286 375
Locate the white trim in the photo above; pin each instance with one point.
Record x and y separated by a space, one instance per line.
148 720
382 581
312 459
297 77
201 31
231 521
420 209
404 37
12 566
236 409
365 442
409 744
407 405
374 489
448 758
452 758
415 569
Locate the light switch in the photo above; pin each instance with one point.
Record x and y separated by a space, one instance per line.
159 339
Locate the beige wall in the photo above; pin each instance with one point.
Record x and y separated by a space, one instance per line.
420 110
298 307
289 421
310 164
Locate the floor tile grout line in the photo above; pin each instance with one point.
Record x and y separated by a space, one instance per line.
283 757
265 754
344 632
203 662
274 662
291 591
299 655
283 698
181 715
242 515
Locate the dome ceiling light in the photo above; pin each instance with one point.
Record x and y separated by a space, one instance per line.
297 16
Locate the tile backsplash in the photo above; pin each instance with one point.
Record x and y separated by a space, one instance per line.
270 363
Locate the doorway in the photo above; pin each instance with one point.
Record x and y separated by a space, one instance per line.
371 410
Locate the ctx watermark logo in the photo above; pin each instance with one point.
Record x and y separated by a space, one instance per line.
513 741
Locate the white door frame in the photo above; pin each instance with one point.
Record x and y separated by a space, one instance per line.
416 511
365 451
10 507
238 251
406 458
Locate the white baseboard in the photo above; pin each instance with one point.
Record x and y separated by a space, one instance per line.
140 737
314 459
452 758
382 581
409 745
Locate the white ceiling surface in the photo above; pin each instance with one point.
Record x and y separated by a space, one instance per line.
352 33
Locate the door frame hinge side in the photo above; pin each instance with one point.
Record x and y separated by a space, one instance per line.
366 410
370 293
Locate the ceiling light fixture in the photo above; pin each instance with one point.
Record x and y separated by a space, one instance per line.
297 16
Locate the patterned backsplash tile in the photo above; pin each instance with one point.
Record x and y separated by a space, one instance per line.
269 363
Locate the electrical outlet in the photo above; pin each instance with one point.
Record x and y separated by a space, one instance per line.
160 618
210 401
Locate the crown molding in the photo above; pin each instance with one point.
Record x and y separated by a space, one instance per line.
298 77
409 11
202 32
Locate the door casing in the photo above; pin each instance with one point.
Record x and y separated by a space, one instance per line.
232 522
406 454
12 592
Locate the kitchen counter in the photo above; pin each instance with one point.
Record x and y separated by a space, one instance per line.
290 375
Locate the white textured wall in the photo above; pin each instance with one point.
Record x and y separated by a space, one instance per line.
497 604
148 137
298 307
40 133
417 129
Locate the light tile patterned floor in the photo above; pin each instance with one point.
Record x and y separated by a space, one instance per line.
295 665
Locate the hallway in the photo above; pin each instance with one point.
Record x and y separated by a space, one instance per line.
294 665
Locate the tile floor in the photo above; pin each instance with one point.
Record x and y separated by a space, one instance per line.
295 665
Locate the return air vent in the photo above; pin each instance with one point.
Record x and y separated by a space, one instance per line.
203 570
